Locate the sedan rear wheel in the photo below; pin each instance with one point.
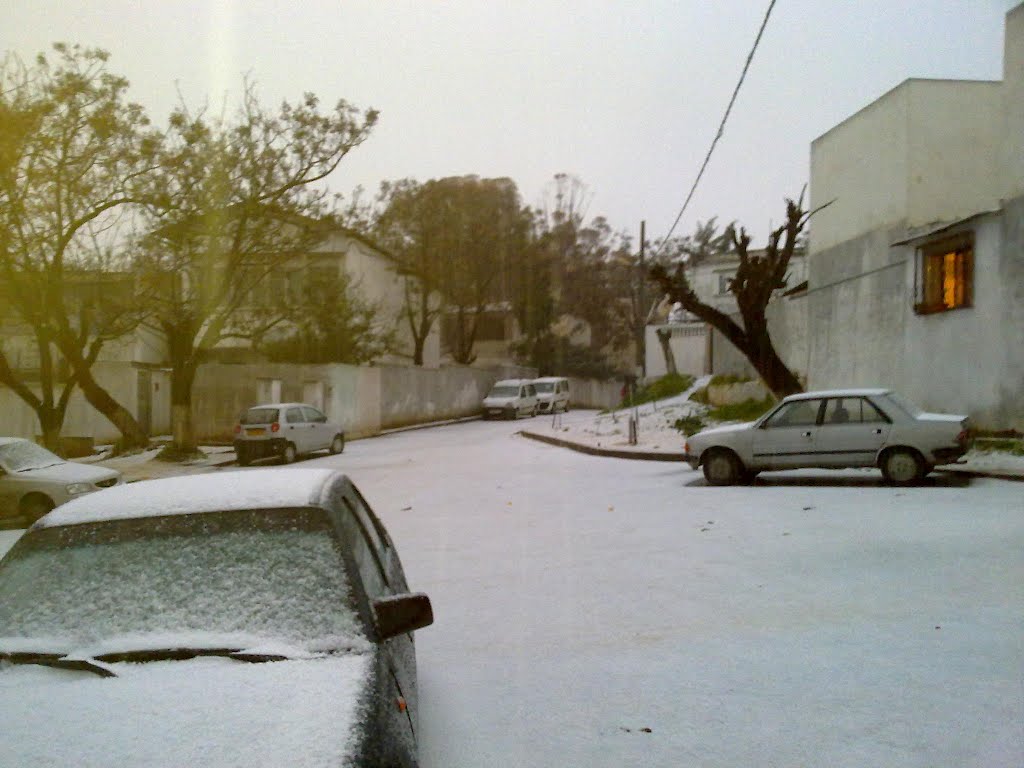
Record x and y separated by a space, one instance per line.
721 467
902 466
337 444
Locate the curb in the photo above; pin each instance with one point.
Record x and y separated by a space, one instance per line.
977 473
608 452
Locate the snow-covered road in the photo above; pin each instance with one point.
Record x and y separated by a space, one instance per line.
603 612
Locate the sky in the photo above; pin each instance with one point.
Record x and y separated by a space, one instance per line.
625 96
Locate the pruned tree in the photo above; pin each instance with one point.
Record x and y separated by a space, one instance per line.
755 282
72 153
237 199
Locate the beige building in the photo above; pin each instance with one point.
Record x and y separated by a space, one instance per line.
916 271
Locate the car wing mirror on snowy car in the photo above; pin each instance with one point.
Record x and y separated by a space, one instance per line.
399 614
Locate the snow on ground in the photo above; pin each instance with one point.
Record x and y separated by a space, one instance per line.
601 612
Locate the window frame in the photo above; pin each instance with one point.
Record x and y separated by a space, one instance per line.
959 246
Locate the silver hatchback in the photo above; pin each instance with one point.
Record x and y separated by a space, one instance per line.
285 431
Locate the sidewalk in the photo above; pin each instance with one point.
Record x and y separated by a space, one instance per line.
657 440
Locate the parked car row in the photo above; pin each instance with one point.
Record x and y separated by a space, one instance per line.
512 398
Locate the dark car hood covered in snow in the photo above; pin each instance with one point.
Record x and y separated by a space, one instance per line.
212 712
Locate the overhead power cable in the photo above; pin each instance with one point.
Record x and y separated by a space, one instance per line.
721 129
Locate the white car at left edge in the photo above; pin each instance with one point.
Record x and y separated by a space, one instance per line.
34 480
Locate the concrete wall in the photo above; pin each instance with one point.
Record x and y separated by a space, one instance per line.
591 393
926 151
411 395
689 344
1012 162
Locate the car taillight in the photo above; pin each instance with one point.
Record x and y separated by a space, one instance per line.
238 429
686 447
275 427
963 437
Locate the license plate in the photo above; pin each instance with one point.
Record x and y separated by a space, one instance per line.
257 431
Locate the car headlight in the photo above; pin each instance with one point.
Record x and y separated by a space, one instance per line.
76 488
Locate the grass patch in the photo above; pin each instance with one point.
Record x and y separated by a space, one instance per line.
700 396
728 378
689 425
667 386
748 410
1002 444
175 456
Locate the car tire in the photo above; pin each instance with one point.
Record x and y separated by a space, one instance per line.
902 466
243 456
288 453
511 414
35 505
721 467
533 412
337 444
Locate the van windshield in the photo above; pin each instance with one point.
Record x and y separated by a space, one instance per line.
544 387
505 391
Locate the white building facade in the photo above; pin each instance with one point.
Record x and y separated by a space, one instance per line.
916 270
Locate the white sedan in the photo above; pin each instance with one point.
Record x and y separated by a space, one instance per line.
834 429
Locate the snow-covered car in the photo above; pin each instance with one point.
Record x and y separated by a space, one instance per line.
240 618
833 429
285 431
552 394
34 480
510 399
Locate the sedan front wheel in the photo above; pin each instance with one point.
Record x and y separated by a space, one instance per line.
721 467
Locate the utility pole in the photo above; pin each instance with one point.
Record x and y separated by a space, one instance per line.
642 308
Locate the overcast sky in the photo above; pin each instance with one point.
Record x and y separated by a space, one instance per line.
625 95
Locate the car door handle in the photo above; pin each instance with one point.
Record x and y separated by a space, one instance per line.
806 434
878 431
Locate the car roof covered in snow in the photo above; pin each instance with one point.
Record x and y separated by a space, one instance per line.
861 392
270 488
546 379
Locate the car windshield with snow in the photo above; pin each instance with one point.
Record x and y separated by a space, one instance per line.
170 585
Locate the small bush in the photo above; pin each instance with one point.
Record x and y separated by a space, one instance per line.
729 378
700 396
689 425
667 386
748 410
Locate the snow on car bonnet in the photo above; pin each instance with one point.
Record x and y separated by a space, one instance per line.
249 489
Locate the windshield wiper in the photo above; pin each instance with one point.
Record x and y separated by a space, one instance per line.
184 654
58 661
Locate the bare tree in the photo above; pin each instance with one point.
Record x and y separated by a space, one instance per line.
756 280
236 199
72 150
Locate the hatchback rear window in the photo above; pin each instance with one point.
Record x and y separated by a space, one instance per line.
260 416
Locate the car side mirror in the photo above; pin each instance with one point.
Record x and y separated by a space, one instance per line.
399 614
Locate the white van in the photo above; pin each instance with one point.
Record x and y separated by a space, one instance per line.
552 394
511 398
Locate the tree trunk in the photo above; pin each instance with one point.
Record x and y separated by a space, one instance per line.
132 433
50 422
774 372
183 433
664 337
